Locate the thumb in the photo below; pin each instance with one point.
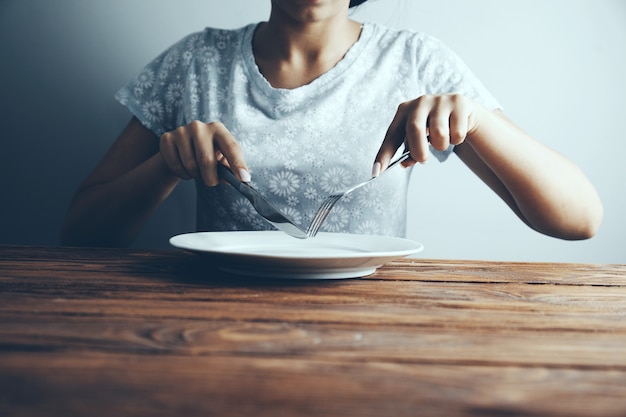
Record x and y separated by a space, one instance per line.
393 139
384 155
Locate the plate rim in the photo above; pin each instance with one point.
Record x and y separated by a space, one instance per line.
418 247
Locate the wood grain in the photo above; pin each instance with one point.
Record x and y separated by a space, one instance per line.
161 333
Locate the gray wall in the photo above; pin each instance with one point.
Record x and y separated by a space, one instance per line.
556 66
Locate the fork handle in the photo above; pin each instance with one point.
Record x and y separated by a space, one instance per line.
405 155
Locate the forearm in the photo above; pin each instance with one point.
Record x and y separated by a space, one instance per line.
112 213
547 190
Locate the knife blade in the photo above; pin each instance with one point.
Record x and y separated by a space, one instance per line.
270 213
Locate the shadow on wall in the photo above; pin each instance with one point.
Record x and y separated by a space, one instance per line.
61 67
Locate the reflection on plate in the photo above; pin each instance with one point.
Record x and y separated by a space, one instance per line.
276 255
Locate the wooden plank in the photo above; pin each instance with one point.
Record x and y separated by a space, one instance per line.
117 332
398 344
129 385
595 304
528 306
516 272
462 307
125 263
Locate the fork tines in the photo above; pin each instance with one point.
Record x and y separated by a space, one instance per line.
322 213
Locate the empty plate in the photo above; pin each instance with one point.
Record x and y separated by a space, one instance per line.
277 255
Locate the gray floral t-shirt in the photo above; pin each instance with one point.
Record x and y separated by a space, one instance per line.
305 143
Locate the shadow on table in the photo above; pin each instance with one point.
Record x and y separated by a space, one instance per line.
202 270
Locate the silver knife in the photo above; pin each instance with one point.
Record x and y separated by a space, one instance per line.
261 205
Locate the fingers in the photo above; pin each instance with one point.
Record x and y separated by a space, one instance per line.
201 138
449 122
231 152
417 131
172 155
194 150
441 120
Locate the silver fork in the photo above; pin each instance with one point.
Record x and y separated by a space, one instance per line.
327 205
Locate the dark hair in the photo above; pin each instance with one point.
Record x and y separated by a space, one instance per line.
354 3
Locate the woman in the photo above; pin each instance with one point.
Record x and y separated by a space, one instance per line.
298 105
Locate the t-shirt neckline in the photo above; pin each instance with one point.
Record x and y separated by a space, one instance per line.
320 83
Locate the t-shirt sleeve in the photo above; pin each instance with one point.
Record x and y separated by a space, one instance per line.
157 95
443 72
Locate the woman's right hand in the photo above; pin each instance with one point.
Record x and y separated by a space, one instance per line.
194 150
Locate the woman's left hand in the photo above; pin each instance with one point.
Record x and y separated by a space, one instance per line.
441 120
545 189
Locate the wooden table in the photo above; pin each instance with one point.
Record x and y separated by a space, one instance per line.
92 332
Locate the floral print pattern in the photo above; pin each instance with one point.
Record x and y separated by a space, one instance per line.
305 143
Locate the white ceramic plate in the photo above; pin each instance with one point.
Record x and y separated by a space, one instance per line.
276 255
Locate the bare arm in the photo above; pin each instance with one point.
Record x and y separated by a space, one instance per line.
113 203
139 172
545 189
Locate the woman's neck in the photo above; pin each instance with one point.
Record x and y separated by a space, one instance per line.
292 53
